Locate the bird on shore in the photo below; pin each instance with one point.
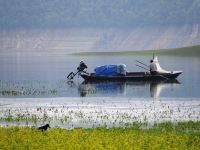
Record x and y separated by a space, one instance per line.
44 128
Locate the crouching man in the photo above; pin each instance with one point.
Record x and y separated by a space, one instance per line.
82 66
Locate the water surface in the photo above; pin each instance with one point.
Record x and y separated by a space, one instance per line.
39 74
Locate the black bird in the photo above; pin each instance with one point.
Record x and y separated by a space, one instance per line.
44 128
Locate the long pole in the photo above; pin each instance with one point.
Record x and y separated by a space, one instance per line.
142 63
142 67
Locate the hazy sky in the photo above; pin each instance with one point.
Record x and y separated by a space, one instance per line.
100 13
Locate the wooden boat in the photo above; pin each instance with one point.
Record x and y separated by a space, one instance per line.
132 76
155 73
105 73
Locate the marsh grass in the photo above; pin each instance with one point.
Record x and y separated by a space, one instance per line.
161 136
27 88
30 92
85 114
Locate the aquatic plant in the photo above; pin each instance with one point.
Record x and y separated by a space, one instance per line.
86 114
28 88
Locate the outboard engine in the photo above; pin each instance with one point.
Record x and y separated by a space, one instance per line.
82 66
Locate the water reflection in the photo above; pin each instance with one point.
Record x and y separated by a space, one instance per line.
152 89
104 88
157 88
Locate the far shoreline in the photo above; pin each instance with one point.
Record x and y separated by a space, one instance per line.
192 51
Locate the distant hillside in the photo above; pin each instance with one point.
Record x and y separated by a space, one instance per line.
184 51
98 25
97 13
100 39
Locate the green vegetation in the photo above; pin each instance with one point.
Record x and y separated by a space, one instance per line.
183 135
185 51
83 116
31 92
26 88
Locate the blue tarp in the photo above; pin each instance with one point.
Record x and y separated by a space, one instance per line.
111 70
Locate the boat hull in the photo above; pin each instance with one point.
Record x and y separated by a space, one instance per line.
132 76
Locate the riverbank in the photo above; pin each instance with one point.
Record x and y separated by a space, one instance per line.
182 135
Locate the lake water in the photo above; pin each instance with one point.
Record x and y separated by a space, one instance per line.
44 75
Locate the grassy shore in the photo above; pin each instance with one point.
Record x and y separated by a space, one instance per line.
182 135
184 51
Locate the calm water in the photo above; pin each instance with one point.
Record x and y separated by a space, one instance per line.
44 75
